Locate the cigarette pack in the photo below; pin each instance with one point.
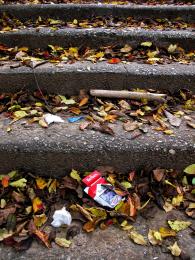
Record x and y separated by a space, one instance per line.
100 190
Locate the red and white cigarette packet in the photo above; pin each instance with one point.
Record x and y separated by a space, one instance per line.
98 189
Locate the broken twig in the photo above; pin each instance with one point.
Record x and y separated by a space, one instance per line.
128 94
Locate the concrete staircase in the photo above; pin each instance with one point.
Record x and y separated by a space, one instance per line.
61 147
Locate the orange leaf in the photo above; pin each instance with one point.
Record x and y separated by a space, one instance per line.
37 204
5 181
111 118
41 183
75 110
43 237
83 101
89 226
114 61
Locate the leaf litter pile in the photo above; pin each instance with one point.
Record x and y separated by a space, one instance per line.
9 23
145 52
28 202
137 114
116 2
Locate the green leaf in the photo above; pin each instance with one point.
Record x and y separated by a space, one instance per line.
193 181
146 44
20 114
4 234
179 225
126 184
74 174
67 101
190 169
21 183
62 242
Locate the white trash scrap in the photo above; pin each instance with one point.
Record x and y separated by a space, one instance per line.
61 217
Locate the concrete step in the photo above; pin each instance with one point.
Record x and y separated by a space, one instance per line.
68 12
95 37
61 147
68 79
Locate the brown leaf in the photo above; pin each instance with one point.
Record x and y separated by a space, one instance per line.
43 237
173 120
103 128
4 213
131 126
158 174
89 226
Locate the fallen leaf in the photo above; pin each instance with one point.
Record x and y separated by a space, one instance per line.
114 61
43 237
137 238
37 204
179 225
41 183
172 48
166 232
146 44
74 174
21 183
20 114
176 201
173 120
62 242
167 206
175 250
131 126
190 169
5 181
39 220
158 174
154 237
126 184
84 101
4 234
89 226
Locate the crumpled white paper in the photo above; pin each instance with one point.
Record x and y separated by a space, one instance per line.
49 118
61 217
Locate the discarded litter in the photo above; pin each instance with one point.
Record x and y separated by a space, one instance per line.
61 217
75 119
99 189
49 119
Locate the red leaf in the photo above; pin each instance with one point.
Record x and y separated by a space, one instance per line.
114 61
5 181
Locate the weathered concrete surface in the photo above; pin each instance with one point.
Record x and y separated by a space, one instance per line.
70 78
96 37
113 243
70 11
61 147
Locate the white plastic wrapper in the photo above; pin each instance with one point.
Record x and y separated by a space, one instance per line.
49 119
61 217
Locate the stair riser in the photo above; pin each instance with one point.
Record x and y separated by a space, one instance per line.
69 79
69 12
96 37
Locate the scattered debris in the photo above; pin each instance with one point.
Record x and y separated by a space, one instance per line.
61 217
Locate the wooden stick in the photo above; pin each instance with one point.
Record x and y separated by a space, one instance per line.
128 94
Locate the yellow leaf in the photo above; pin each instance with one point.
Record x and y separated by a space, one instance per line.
41 183
172 48
37 204
137 238
167 206
62 242
176 201
190 169
168 132
175 250
20 114
154 237
146 44
179 225
39 220
21 183
166 232
43 123
126 184
52 186
74 174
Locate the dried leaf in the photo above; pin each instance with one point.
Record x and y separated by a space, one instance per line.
43 237
41 183
62 242
154 237
84 101
137 238
4 234
89 226
146 44
37 204
5 181
114 61
131 126
179 225
74 174
21 183
190 169
176 201
173 120
167 206
126 184
166 232
39 220
20 114
175 250
158 174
